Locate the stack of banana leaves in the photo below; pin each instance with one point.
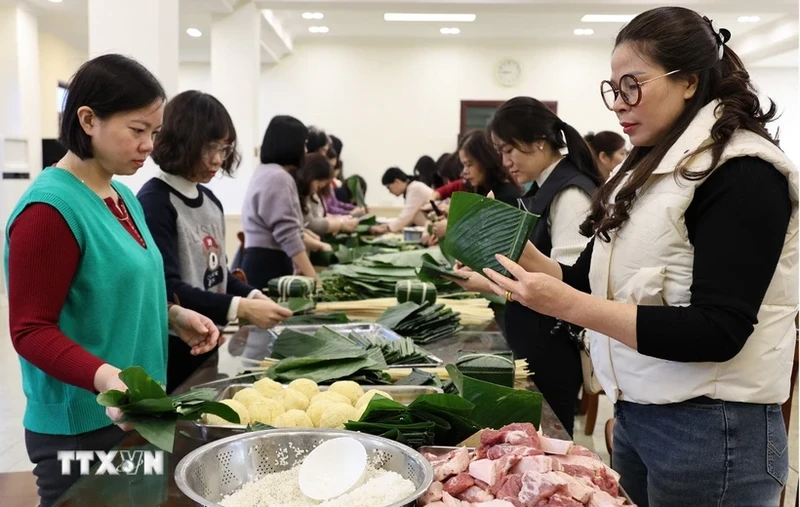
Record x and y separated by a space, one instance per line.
375 276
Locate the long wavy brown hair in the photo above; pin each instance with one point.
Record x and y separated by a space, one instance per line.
679 38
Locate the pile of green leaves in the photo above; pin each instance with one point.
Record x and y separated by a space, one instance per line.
431 419
395 352
496 405
325 356
146 406
478 228
375 276
325 319
422 323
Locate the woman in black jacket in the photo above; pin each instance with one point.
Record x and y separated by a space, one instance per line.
530 139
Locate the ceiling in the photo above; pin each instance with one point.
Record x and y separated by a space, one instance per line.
497 21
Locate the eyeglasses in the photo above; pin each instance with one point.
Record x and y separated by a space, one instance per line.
629 88
225 150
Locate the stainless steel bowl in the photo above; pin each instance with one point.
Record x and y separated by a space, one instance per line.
220 468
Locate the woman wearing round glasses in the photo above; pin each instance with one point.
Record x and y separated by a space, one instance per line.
692 273
197 142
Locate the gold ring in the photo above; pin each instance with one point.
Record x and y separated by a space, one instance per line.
508 297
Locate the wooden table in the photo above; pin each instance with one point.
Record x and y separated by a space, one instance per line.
149 491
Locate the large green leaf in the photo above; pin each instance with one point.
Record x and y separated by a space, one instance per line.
112 398
158 431
496 405
317 369
298 305
291 343
433 272
478 228
354 186
397 314
140 385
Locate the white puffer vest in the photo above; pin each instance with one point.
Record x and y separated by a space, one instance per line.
649 262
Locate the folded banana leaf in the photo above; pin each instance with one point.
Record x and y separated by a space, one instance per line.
434 272
287 287
416 291
478 228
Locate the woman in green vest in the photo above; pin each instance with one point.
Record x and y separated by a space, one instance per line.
85 279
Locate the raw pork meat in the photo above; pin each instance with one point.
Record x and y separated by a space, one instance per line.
452 463
578 489
459 483
606 481
494 503
579 450
540 464
508 486
559 501
537 487
500 450
554 445
476 494
603 499
515 434
434 494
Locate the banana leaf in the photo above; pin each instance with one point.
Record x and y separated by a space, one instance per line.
153 414
369 219
433 272
322 259
354 186
312 319
319 370
478 228
298 306
495 405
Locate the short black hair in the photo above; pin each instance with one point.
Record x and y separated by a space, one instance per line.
109 84
284 142
192 121
394 173
317 138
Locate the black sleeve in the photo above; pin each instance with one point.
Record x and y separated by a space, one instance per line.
161 218
577 275
737 223
237 287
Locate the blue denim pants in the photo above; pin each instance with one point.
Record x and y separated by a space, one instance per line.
701 453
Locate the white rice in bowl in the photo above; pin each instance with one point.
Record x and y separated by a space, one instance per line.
281 489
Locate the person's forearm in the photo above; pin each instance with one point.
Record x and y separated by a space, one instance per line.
313 245
611 318
303 264
536 262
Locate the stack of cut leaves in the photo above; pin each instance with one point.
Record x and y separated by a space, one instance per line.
431 419
478 228
325 319
324 357
375 276
395 352
422 323
146 406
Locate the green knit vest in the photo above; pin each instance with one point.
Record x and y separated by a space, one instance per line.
116 307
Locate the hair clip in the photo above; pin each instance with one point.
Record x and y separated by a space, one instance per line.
723 35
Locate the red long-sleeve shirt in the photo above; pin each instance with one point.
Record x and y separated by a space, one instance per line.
43 259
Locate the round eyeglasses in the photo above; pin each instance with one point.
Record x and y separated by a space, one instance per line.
629 88
224 150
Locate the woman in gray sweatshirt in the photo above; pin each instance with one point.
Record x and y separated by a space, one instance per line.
272 218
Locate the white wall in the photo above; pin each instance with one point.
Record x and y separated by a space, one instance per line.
58 61
391 104
782 85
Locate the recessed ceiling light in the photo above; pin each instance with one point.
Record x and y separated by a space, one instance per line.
607 18
449 31
408 16
749 19
194 32
318 29
56 1
313 15
583 31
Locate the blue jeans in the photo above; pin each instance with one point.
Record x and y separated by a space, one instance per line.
701 453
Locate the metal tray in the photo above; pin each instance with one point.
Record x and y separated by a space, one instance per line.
363 328
401 394
439 450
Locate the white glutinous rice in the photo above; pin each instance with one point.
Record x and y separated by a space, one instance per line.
281 489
